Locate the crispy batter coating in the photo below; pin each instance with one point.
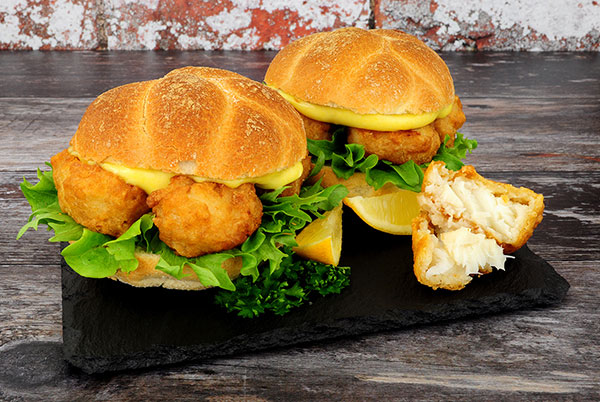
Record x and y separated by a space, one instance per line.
203 218
463 198
419 145
316 130
398 146
466 225
451 123
94 197
294 187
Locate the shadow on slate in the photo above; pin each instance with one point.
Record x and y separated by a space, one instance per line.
109 326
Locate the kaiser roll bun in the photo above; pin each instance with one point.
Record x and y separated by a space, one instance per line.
377 71
146 274
199 121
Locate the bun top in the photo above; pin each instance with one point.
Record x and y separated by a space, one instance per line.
198 121
377 71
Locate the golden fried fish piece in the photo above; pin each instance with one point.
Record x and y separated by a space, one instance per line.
467 223
418 145
316 130
94 197
202 218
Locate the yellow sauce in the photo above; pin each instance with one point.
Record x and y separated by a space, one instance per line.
151 180
377 122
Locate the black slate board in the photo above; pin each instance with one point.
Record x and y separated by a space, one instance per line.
109 326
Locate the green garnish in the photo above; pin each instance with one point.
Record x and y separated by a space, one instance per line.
345 159
96 255
285 288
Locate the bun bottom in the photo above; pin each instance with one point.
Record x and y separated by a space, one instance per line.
356 184
146 275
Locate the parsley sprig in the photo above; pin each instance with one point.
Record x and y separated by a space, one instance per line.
282 290
277 280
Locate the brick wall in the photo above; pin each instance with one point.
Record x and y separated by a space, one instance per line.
263 24
538 25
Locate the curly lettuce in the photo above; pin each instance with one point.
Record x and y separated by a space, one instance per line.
266 255
346 159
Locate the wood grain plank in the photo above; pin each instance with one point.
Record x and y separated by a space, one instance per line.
537 119
86 74
521 135
538 134
30 302
32 130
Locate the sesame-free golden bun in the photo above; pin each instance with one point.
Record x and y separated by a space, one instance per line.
198 121
377 71
146 274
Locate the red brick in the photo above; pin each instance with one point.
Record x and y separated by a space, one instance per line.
495 24
47 24
224 24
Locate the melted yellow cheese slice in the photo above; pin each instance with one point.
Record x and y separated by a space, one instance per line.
377 122
151 180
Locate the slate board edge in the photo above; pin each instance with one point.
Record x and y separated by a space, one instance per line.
341 328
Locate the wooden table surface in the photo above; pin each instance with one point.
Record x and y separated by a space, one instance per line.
536 117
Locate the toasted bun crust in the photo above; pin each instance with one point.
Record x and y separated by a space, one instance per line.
376 71
356 184
197 121
146 275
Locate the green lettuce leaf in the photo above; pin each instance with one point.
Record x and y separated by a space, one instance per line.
123 248
45 209
95 255
408 176
346 159
41 194
284 216
453 156
88 256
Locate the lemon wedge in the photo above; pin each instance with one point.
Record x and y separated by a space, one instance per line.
391 212
321 240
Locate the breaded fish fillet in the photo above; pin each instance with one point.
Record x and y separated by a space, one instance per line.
467 223
94 197
294 187
202 218
316 130
448 260
418 145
